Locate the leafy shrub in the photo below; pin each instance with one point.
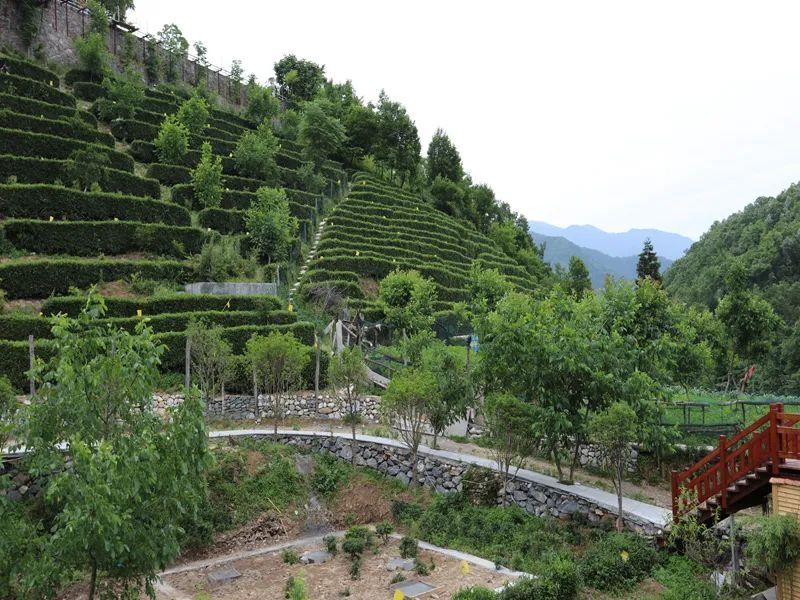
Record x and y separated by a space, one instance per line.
131 130
384 529
87 167
617 562
354 547
295 588
44 201
193 114
271 226
255 155
329 474
207 178
409 547
88 91
289 556
9 407
221 260
261 103
331 544
422 569
406 512
397 578
172 143
122 97
481 486
774 542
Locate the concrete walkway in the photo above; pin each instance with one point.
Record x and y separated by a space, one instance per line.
640 511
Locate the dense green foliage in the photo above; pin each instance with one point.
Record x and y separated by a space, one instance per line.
762 238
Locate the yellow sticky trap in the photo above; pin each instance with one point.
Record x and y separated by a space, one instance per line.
228 304
624 556
398 595
465 567
290 307
51 219
138 312
358 253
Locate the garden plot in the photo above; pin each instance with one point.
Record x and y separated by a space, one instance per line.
265 576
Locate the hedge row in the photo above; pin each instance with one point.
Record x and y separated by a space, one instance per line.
224 221
325 275
356 227
24 68
18 326
26 143
217 128
232 119
52 201
60 128
172 303
378 267
87 90
183 194
22 86
46 170
42 278
74 75
82 238
20 104
345 287
169 174
366 239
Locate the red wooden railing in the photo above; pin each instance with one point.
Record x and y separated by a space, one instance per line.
769 441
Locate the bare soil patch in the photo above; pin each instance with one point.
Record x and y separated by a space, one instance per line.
265 577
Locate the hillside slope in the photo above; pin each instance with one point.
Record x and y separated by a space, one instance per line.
558 250
379 228
765 237
628 243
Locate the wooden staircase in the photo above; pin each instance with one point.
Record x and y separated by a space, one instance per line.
737 474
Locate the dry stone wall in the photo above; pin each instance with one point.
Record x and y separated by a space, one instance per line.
301 404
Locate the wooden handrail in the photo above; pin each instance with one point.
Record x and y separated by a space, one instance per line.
770 440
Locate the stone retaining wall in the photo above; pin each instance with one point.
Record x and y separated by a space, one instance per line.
302 404
445 475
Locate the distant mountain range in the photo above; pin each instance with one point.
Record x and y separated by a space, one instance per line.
559 250
629 243
605 253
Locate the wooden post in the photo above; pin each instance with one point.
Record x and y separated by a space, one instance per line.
223 399
723 465
773 437
255 386
187 378
675 494
31 362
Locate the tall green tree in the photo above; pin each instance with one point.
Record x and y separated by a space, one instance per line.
443 159
207 178
405 405
578 281
450 198
277 360
194 114
648 265
133 477
210 356
348 375
261 103
407 299
398 143
749 321
321 133
485 288
271 226
449 404
298 80
613 431
175 47
255 153
509 427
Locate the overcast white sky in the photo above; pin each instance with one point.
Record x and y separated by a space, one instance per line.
618 114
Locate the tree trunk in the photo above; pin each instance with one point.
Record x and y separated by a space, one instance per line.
316 370
275 405
575 454
505 485
435 438
557 461
619 499
413 483
353 431
93 580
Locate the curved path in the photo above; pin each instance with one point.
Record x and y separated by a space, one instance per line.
638 511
